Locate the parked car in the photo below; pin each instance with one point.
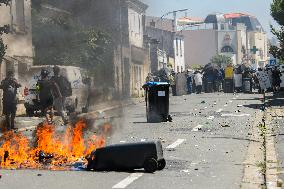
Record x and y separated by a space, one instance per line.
76 102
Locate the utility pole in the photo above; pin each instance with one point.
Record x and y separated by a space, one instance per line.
174 25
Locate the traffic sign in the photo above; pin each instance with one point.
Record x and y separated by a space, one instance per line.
272 62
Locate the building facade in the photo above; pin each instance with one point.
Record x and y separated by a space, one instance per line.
238 36
167 46
19 53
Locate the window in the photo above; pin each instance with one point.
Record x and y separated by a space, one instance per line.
177 69
180 45
227 49
177 46
18 21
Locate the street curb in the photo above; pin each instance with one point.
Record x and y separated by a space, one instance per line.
272 166
253 177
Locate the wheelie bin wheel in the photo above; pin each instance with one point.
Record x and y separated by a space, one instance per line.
150 165
161 164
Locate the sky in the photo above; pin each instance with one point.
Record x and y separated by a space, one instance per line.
201 8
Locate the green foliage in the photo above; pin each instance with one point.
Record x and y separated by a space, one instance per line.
277 12
5 2
221 60
3 48
59 40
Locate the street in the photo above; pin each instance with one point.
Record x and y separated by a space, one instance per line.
205 146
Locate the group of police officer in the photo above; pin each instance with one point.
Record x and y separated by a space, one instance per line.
52 93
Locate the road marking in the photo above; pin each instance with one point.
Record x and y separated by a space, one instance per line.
235 115
128 180
219 111
197 128
176 143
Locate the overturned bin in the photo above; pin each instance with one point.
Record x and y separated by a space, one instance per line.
127 157
157 102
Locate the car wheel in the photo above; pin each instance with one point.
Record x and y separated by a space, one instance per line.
150 165
161 164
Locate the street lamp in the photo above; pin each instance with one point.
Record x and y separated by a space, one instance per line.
174 27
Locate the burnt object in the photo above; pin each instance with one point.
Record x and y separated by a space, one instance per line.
43 157
127 157
6 156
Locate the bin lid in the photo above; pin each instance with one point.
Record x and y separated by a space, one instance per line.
151 84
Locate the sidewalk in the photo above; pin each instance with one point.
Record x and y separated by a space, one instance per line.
275 121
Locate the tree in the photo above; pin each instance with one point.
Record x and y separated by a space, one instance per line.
61 40
277 12
221 60
3 30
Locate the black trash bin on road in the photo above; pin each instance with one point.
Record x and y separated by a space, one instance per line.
229 86
247 85
127 157
157 102
209 86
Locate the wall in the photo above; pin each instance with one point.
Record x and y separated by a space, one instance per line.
19 41
200 46
258 39
178 44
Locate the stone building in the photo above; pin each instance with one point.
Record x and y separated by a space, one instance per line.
124 21
167 45
19 53
236 35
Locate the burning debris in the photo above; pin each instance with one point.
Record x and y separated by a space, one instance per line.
49 149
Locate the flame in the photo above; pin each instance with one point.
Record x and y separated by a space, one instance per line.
58 151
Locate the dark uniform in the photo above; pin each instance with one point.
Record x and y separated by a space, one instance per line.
48 90
9 86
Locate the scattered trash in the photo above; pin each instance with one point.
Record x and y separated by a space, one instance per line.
39 175
143 140
185 171
203 102
0 176
205 107
43 157
6 155
210 117
239 105
225 125
215 103
196 169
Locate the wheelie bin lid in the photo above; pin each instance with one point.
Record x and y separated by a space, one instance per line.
152 84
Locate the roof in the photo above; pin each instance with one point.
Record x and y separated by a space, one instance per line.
190 21
163 24
214 18
234 15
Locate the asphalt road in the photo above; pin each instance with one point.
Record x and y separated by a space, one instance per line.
204 147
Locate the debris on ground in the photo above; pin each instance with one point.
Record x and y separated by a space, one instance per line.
39 175
225 125
203 102
239 105
210 117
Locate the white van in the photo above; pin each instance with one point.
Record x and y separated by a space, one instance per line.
76 102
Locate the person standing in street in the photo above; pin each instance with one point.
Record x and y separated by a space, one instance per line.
173 83
47 91
198 82
189 82
276 79
65 90
10 86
